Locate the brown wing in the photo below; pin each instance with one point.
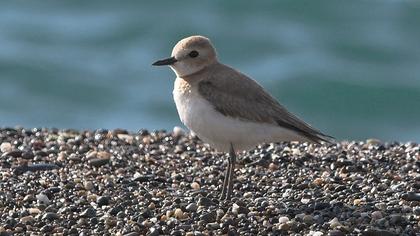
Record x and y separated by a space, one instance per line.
236 95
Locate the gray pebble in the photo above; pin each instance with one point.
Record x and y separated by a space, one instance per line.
192 207
411 196
50 216
97 162
103 201
209 217
88 213
204 201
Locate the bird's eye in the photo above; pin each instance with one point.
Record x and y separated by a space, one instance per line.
193 54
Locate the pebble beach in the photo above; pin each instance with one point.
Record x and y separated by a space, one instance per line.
118 182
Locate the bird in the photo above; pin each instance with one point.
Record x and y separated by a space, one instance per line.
227 109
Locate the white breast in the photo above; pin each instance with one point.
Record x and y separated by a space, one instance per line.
218 130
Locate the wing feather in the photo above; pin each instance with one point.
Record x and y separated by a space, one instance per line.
236 95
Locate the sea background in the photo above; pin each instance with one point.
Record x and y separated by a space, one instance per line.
349 68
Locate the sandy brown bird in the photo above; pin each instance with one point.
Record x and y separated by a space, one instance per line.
226 108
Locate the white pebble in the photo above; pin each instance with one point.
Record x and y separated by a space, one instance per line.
6 147
334 223
283 219
178 131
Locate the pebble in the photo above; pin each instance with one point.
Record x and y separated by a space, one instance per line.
378 232
43 199
204 201
376 215
88 213
97 162
114 182
236 209
179 214
334 223
411 196
209 217
5 147
192 207
27 219
178 131
103 201
50 216
34 211
195 186
308 219
213 226
283 219
336 233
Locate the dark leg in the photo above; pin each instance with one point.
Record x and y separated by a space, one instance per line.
225 182
232 160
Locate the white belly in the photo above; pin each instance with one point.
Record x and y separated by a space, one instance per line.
219 131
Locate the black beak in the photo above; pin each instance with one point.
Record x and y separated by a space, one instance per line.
165 62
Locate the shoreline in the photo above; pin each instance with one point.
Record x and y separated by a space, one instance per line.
156 183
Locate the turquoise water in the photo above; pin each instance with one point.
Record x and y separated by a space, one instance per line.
350 68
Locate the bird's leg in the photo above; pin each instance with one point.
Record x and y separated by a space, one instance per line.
232 161
225 181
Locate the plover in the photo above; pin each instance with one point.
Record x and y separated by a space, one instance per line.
226 108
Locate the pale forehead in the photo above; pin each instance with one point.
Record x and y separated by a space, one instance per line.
193 42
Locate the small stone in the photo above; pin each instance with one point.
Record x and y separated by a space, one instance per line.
416 210
336 233
396 219
318 181
88 213
305 200
411 196
209 217
357 202
236 209
153 232
103 201
34 211
43 199
178 213
26 219
88 185
373 141
152 206
213 226
273 167
111 221
203 201
284 227
248 195
126 137
192 207
283 219
380 206
308 219
163 218
376 215
378 232
97 162
50 216
195 186
334 223
178 131
5 147
104 155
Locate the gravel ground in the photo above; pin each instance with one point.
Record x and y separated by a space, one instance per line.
68 182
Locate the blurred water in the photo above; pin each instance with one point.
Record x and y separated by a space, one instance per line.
350 68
